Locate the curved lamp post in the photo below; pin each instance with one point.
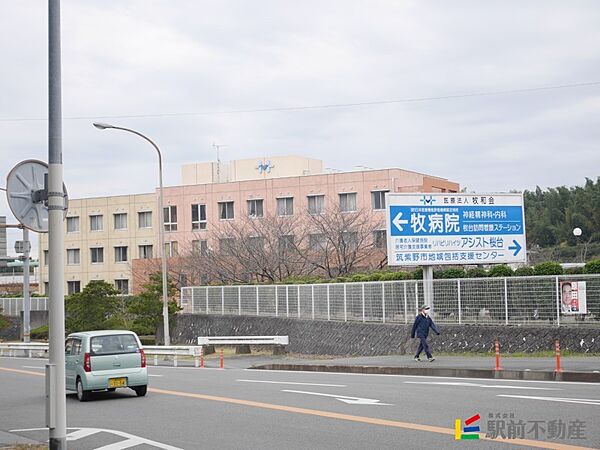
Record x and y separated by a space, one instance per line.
104 126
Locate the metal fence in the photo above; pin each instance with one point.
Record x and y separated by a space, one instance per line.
499 301
14 306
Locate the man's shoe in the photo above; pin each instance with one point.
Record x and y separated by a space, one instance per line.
417 359
432 359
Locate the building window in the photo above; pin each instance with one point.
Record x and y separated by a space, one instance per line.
122 286
285 206
120 254
73 287
46 288
120 221
255 208
380 238
46 258
145 251
378 199
170 218
286 243
348 202
226 210
145 219
317 241
97 254
198 217
256 243
200 247
171 248
226 246
96 222
73 256
316 204
350 240
72 224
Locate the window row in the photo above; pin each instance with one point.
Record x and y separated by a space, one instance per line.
255 208
120 254
119 221
73 287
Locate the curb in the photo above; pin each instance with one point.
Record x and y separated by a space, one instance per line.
531 375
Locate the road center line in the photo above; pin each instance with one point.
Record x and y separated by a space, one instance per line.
361 419
581 401
491 386
34 367
292 382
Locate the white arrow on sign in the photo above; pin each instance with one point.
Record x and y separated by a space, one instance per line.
398 221
343 398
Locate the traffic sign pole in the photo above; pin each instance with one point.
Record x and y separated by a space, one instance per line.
428 287
56 206
26 296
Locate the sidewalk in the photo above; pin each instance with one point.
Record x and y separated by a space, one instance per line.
583 369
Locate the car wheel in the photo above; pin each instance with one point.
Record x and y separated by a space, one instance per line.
82 396
140 390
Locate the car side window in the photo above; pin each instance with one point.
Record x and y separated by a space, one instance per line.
68 346
76 347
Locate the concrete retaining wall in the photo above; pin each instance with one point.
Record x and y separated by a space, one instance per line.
370 339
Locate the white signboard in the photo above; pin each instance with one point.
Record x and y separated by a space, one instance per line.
573 298
459 229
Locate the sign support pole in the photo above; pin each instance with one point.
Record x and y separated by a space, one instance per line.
428 287
26 296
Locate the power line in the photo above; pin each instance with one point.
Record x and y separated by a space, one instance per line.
326 106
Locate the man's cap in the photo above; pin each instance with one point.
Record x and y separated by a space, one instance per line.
423 307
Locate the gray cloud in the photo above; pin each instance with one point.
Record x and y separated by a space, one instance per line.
152 57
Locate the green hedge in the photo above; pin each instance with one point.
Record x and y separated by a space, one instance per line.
548 268
593 266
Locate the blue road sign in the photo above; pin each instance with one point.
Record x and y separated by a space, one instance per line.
432 229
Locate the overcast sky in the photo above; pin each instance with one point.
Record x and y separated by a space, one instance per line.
165 58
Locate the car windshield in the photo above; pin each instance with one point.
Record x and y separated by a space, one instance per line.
114 344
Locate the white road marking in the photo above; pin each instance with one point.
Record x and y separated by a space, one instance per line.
34 367
492 386
292 382
343 398
130 439
314 372
581 401
153 375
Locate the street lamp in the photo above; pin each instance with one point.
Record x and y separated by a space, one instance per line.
104 126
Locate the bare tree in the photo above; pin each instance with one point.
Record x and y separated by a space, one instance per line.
340 241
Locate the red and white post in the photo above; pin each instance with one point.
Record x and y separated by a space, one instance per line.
498 368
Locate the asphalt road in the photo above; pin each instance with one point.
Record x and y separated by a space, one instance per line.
235 408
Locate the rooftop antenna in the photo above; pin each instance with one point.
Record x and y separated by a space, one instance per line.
217 147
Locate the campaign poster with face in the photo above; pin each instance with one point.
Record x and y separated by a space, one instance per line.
573 297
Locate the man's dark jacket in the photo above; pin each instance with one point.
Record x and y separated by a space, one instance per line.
422 325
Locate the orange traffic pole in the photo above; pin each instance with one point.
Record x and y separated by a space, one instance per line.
202 357
498 356
557 351
221 362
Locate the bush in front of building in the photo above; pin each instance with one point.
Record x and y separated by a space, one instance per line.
548 268
501 270
593 266
524 272
477 272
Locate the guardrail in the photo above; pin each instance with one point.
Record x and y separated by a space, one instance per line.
490 300
243 340
23 349
174 351
28 349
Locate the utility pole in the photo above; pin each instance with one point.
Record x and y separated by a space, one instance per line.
55 370
26 296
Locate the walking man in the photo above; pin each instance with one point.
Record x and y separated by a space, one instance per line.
421 329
